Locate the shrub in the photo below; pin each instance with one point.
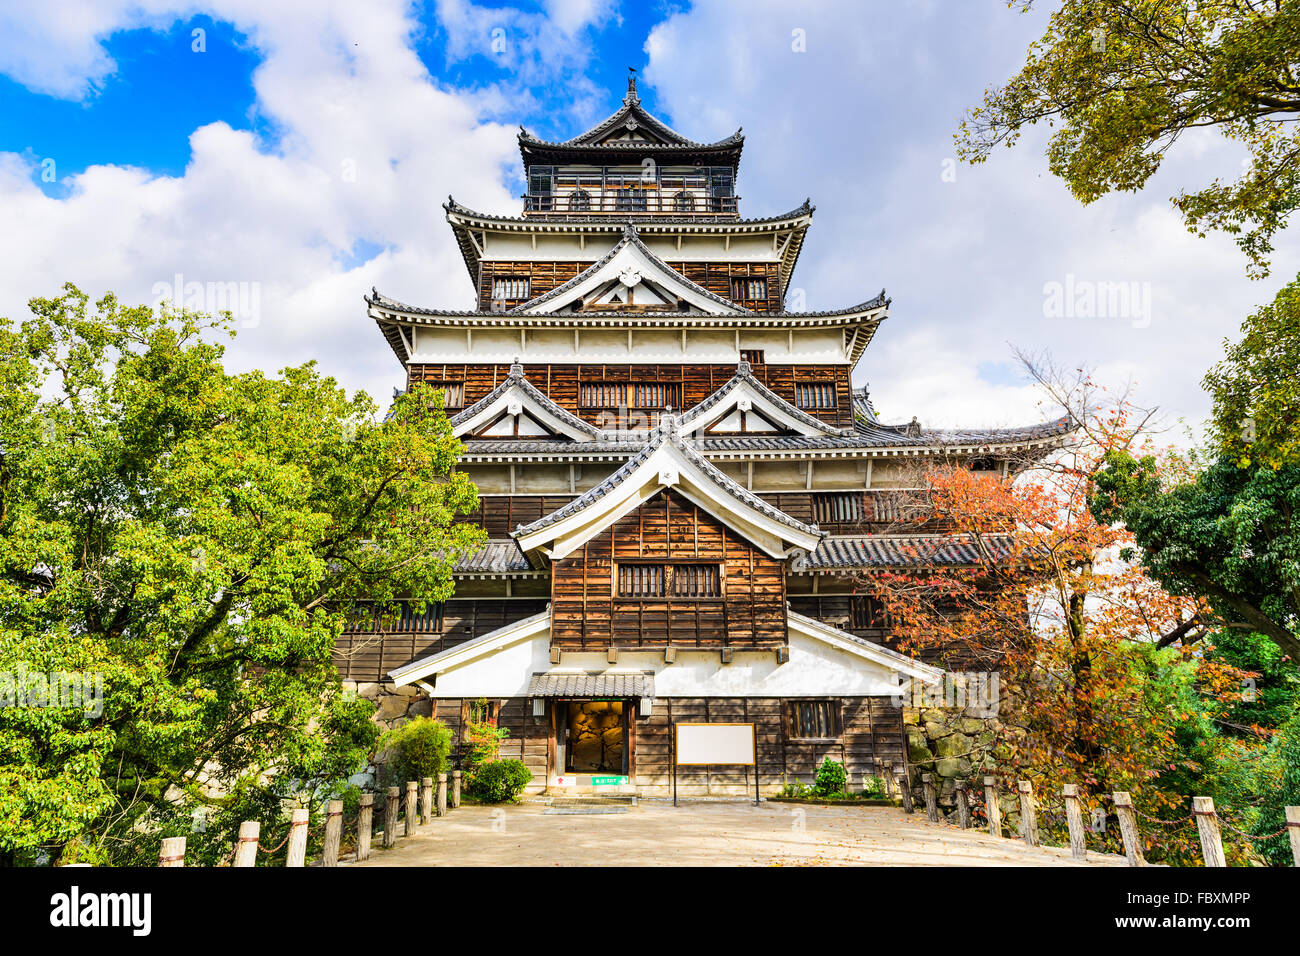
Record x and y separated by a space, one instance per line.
873 787
501 781
417 749
830 778
482 745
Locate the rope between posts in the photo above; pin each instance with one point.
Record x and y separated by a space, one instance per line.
1252 836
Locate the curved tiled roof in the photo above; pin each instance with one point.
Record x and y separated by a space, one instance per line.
516 380
632 109
629 237
494 557
660 437
806 208
914 550
745 375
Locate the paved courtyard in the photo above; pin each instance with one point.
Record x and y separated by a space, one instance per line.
655 833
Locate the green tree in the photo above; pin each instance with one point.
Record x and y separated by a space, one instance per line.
195 538
1121 81
1227 534
1256 389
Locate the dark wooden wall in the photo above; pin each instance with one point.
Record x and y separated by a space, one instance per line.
872 731
714 276
369 656
871 735
560 382
586 614
500 514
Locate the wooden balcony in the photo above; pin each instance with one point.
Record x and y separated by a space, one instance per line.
630 202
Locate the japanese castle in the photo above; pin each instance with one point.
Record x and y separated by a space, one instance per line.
685 496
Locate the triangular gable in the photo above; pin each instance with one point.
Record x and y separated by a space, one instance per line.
630 122
630 265
666 462
744 396
868 650
516 408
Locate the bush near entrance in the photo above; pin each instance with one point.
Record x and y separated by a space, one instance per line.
501 781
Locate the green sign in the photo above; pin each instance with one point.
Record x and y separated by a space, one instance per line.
608 781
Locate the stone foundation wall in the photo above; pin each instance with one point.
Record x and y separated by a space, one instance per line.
954 746
397 705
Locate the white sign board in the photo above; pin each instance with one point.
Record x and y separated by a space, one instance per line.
715 744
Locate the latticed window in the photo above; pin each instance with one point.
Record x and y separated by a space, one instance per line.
399 617
752 356
480 711
749 288
684 202
866 612
813 719
837 507
695 580
641 580
453 393
630 394
669 580
510 287
631 198
580 201
814 396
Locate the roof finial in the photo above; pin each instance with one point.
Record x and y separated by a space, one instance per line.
631 87
516 369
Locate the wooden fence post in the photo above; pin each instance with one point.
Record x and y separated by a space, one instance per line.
1074 819
172 852
455 789
390 818
1128 828
1207 824
297 838
426 800
963 806
442 794
906 787
1028 813
887 780
246 845
333 833
412 807
991 808
1293 831
931 803
365 824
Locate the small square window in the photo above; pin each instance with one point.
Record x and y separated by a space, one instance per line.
814 396
453 393
838 507
813 719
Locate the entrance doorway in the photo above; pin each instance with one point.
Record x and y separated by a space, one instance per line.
595 735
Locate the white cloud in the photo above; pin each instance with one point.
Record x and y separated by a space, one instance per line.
863 120
370 147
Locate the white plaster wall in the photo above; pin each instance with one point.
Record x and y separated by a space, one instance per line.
814 670
519 247
648 347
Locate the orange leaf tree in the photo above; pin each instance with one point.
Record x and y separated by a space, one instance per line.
1085 646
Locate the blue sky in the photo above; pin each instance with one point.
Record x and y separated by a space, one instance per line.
305 149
